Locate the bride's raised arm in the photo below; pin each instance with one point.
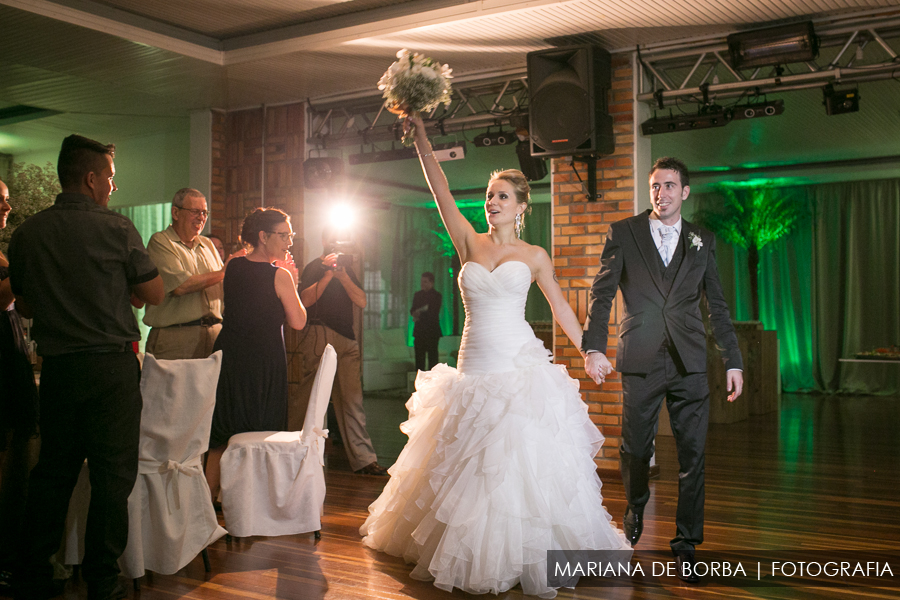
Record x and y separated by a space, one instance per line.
460 230
545 276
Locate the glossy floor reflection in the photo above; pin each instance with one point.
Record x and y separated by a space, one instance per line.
819 476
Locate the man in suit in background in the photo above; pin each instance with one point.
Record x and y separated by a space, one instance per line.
426 311
663 266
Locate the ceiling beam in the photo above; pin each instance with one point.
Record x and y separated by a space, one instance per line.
328 33
119 23
318 35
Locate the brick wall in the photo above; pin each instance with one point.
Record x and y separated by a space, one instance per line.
237 178
579 232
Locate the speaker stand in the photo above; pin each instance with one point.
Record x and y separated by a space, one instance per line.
591 163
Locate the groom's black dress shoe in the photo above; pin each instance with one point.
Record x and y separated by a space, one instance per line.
634 525
687 566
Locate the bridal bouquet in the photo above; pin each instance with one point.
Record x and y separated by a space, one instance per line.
415 84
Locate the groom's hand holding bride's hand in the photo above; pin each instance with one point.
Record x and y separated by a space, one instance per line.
597 366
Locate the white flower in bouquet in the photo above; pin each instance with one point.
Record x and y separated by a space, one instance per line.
415 83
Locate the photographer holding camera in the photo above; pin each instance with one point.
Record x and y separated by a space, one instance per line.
329 290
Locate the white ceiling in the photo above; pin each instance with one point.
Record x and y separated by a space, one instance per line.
136 65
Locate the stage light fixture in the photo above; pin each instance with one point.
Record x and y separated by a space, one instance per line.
773 46
718 118
442 152
760 109
322 172
840 102
499 138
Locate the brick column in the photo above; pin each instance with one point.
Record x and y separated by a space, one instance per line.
579 232
237 179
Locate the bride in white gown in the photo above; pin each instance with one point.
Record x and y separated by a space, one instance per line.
499 464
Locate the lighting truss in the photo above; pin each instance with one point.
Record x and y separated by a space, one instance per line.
854 48
477 102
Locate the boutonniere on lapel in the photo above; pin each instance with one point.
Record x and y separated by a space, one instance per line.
696 242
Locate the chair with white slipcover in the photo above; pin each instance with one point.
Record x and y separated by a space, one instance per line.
171 518
273 482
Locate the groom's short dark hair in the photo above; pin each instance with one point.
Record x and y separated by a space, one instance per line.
672 164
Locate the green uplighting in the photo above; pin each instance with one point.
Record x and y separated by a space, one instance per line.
759 165
759 183
715 169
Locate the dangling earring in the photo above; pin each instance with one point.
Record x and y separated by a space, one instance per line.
519 226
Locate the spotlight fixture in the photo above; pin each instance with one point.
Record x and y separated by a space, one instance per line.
840 102
704 120
321 172
712 116
761 109
499 138
442 152
773 46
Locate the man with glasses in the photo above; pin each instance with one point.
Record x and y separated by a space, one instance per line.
189 319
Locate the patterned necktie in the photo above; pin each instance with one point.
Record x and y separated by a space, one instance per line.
668 235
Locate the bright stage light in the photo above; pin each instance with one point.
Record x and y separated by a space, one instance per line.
341 218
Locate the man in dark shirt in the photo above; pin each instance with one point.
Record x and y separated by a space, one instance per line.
329 290
425 311
77 268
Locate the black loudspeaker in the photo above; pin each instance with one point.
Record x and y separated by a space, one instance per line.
533 167
320 173
568 111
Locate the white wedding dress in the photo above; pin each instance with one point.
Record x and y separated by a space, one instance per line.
499 464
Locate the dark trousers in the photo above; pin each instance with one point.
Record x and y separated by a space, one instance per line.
426 347
687 398
90 408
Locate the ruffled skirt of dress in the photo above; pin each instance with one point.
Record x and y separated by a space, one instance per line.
498 470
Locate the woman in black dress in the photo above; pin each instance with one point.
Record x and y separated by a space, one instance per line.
18 411
260 296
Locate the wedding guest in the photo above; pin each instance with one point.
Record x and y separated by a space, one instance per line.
187 322
219 244
260 296
331 291
425 311
75 268
18 412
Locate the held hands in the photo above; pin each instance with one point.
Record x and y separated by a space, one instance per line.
734 383
288 264
597 367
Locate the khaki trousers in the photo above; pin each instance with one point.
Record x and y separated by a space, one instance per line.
170 343
346 395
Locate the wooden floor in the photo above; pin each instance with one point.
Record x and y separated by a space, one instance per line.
821 475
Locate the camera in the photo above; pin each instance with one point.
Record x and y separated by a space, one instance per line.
344 260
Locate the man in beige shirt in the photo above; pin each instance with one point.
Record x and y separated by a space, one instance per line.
189 319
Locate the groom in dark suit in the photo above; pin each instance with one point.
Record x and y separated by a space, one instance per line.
663 265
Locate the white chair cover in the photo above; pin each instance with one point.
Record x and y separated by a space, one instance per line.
76 518
170 513
273 482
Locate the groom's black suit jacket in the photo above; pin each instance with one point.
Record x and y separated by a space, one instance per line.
656 302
